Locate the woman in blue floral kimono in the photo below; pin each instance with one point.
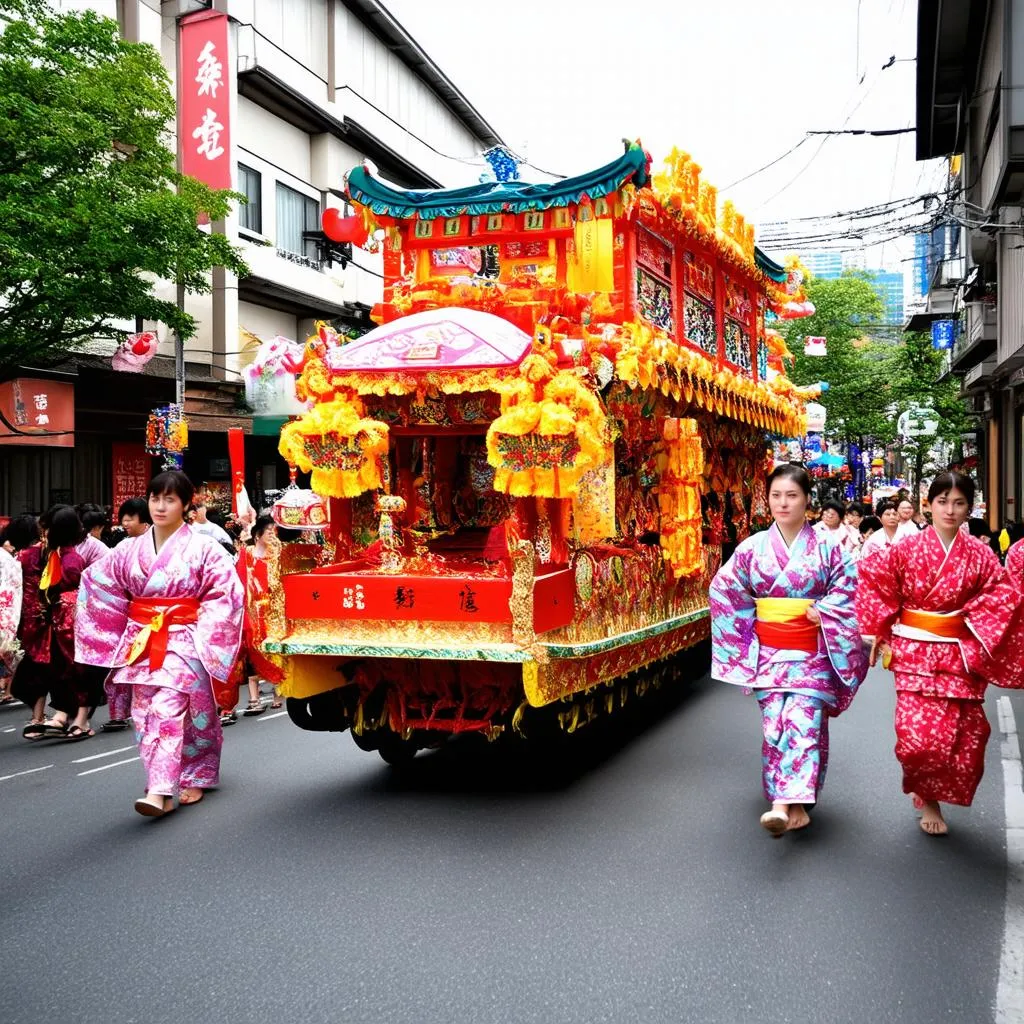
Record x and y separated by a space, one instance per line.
783 626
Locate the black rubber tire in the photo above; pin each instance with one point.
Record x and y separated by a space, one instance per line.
395 751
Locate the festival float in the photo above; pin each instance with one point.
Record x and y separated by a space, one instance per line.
531 465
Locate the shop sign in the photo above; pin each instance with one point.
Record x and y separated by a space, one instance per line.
204 105
40 413
942 334
132 469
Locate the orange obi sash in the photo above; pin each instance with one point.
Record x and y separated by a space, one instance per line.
948 627
157 615
52 572
781 623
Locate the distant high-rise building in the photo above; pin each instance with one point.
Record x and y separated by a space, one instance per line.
889 285
823 264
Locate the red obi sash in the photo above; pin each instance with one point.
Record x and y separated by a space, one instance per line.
950 627
792 635
157 615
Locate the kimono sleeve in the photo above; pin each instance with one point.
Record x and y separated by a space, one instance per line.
101 616
221 600
734 644
10 610
839 622
878 597
995 607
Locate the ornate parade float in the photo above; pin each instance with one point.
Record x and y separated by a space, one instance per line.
531 466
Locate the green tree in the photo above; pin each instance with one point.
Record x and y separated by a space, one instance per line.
856 400
92 209
912 371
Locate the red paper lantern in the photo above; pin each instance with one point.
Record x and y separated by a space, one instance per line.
343 229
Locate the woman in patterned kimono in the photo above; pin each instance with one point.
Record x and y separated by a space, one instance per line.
782 626
940 607
164 610
51 572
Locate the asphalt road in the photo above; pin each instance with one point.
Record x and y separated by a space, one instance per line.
622 878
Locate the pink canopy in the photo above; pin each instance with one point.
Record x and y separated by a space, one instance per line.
435 339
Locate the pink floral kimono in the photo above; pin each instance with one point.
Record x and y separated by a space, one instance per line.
168 624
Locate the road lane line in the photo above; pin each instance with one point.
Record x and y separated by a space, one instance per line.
109 753
28 771
104 767
1010 991
10 730
267 718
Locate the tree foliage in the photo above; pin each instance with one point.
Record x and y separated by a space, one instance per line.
856 400
92 209
872 382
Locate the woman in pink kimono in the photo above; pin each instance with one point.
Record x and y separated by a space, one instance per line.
941 610
783 626
164 611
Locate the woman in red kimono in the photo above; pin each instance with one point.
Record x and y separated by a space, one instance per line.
253 569
50 573
940 607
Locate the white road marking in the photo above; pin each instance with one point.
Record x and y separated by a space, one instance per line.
1010 991
104 767
28 771
267 718
10 730
109 753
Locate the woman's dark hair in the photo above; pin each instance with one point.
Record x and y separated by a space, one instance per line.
137 507
789 471
22 532
979 528
869 523
92 516
47 517
229 548
855 508
65 529
260 527
945 482
885 504
172 481
836 506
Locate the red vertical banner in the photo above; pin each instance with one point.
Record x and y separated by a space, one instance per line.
204 98
131 472
236 455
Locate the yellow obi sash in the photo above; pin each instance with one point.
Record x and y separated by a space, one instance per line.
781 609
782 623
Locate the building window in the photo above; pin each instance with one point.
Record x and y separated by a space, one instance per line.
250 214
296 214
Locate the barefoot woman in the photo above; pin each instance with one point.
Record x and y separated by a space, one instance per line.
782 625
940 608
165 611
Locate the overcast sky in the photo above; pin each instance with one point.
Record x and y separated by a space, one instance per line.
734 82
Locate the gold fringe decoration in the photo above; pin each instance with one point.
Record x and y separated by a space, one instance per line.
551 430
679 498
339 444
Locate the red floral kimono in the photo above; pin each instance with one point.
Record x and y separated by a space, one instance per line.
47 629
946 615
255 578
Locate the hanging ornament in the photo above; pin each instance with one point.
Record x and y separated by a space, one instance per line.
388 506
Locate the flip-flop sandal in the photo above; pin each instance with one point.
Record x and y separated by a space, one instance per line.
34 730
76 732
52 732
775 823
150 810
